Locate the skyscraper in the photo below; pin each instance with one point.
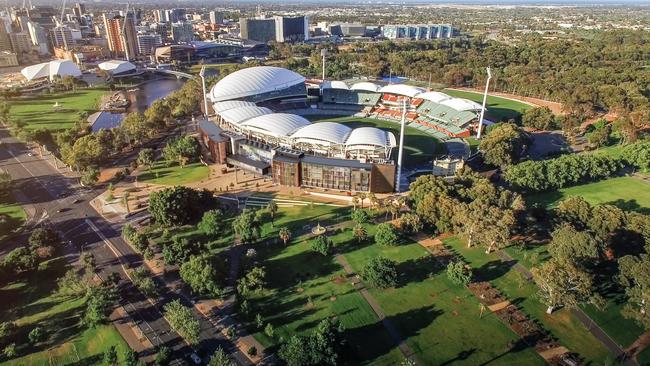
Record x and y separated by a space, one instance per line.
5 41
291 29
62 37
21 42
260 30
39 38
147 43
182 32
216 17
119 43
79 10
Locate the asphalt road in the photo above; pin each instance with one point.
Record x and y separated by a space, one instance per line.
53 199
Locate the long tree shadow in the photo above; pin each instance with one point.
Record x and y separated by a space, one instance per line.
461 356
493 270
88 361
417 270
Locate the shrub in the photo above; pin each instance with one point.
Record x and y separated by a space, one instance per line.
459 273
321 244
380 272
386 234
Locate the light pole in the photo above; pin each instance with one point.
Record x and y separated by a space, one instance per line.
323 54
401 148
205 98
480 121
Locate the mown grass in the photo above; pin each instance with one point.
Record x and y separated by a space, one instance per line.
498 109
419 147
38 111
12 216
628 193
173 174
562 324
31 302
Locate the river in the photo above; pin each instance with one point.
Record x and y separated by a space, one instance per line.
139 99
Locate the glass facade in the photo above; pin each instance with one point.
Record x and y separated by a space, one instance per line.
334 177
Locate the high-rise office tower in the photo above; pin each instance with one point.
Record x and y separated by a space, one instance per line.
291 29
216 17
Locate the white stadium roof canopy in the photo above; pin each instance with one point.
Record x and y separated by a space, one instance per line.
49 69
241 114
116 66
366 86
461 104
221 107
276 124
370 136
402 89
334 133
254 81
335 84
434 96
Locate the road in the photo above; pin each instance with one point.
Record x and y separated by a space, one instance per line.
53 199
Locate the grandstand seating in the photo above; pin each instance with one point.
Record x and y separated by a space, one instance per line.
352 97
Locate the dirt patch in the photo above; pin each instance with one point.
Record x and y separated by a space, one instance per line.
499 306
639 345
339 280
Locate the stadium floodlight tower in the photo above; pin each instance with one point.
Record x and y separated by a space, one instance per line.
323 53
205 97
401 148
480 121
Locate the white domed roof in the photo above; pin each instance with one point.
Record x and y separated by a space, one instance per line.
230 104
461 104
276 124
370 136
241 114
331 132
366 85
434 96
402 89
254 81
61 68
335 84
116 66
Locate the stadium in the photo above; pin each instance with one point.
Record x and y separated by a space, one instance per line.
260 125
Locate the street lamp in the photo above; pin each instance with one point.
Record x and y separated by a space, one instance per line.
480 121
323 53
205 98
401 147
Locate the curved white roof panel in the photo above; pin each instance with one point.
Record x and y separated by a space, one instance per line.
276 124
254 81
434 96
116 66
221 107
241 114
369 136
62 68
365 85
331 132
402 89
461 104
335 84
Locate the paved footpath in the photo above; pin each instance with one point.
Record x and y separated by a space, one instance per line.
591 325
392 331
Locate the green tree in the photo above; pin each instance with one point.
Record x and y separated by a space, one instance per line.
387 234
131 358
321 244
204 274
410 223
220 358
90 176
459 273
182 321
360 216
294 352
284 234
380 272
99 303
110 357
163 356
5 182
599 137
539 118
44 237
146 157
252 282
179 205
10 351
360 233
21 260
272 208
269 330
87 151
504 144
562 283
579 247
246 226
36 335
212 223
634 276
182 149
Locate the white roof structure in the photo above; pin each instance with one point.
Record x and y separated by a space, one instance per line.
61 68
241 114
335 84
371 136
434 96
221 107
330 132
366 86
402 89
276 124
254 81
461 104
116 66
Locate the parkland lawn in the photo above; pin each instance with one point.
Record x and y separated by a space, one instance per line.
439 320
419 147
498 109
173 174
628 193
38 111
12 215
31 302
